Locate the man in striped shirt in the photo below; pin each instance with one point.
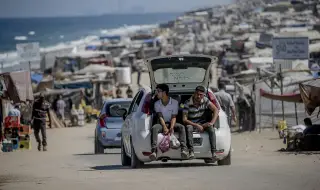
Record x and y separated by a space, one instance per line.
194 118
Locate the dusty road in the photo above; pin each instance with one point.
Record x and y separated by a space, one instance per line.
71 164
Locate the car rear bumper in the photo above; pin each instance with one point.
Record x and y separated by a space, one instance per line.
202 150
109 138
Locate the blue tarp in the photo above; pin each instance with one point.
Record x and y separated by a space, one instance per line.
150 40
74 85
115 37
91 47
36 78
296 25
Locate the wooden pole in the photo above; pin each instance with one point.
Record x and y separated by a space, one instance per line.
296 113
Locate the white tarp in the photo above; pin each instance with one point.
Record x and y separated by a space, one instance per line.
95 69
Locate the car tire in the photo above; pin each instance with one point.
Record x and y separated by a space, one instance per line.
125 160
226 161
98 148
135 162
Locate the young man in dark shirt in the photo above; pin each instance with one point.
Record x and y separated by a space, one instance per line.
39 115
194 118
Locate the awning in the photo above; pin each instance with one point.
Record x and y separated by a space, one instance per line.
292 97
310 94
18 84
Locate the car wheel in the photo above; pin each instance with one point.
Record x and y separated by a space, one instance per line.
226 161
125 160
135 162
98 148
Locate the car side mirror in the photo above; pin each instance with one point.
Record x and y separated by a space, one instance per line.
122 112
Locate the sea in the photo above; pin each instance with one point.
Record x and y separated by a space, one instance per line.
51 32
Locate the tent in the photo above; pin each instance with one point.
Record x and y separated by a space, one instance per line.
309 95
95 69
18 86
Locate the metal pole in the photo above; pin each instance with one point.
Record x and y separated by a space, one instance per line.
296 113
281 88
272 108
259 102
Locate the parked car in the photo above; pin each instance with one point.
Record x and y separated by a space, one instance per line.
183 74
108 128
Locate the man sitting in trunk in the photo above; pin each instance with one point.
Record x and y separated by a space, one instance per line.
167 110
194 118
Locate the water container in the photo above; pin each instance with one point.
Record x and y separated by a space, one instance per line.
123 75
80 116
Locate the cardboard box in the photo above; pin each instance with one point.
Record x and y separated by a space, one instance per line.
25 145
25 130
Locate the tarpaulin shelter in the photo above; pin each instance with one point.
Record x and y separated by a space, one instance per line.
290 97
18 86
309 95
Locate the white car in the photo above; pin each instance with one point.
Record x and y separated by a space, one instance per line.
183 73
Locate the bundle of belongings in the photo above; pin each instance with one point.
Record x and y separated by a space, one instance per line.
304 137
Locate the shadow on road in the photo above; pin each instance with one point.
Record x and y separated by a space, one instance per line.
152 166
298 152
91 154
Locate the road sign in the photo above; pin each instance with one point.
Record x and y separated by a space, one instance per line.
28 51
290 48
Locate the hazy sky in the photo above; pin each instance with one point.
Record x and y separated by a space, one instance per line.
39 8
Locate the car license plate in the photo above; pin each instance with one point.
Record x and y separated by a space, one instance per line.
117 139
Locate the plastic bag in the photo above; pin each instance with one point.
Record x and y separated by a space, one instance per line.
174 142
164 145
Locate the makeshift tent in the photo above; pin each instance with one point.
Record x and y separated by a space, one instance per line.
94 68
310 94
291 97
18 85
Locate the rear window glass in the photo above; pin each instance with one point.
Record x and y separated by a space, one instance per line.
189 75
179 72
112 108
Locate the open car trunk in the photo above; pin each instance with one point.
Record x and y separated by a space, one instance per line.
180 72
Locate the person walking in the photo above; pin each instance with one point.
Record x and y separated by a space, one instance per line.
39 115
226 102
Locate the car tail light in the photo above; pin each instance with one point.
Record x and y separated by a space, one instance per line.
102 120
213 99
146 105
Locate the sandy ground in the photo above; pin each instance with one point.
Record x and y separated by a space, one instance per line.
71 164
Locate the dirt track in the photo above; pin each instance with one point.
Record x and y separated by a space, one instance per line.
70 163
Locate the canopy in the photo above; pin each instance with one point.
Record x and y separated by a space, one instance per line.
310 94
94 68
291 97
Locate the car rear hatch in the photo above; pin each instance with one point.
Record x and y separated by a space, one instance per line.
180 72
